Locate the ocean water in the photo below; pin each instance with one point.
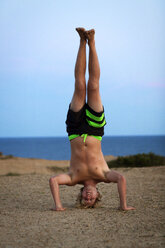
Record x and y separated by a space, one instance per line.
58 148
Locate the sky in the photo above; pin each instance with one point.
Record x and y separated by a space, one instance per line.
38 49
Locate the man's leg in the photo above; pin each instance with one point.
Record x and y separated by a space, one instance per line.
94 99
79 95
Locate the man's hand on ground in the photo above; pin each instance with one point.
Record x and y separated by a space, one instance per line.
58 209
126 208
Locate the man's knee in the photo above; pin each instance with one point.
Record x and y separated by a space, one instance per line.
80 85
80 90
93 85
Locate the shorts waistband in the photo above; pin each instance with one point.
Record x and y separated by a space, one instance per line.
84 135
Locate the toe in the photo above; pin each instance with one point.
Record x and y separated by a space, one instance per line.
80 29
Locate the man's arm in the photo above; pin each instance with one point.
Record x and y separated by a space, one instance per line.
115 177
54 182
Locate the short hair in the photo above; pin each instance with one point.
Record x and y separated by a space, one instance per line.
79 200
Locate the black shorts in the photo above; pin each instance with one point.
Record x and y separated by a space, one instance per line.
85 121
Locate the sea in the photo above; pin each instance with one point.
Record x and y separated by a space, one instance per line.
58 148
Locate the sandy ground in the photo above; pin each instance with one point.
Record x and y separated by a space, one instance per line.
26 221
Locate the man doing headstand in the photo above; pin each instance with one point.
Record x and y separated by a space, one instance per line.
85 127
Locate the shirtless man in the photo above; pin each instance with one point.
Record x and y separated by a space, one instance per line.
85 127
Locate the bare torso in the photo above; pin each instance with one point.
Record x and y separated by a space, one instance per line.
87 161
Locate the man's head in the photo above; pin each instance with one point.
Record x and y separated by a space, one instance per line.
88 197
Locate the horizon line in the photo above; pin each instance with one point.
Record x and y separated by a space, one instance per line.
113 135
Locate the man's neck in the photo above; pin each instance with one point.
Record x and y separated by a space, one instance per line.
90 182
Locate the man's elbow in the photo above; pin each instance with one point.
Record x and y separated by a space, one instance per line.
52 181
121 179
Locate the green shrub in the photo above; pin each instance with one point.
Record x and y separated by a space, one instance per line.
57 169
6 156
9 156
138 160
12 174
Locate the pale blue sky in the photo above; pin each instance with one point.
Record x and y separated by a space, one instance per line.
38 48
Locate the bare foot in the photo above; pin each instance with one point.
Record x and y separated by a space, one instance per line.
90 35
81 32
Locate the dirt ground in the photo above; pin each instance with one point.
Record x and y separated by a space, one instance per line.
26 219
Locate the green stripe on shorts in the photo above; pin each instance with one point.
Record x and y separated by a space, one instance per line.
95 118
73 136
97 137
94 124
